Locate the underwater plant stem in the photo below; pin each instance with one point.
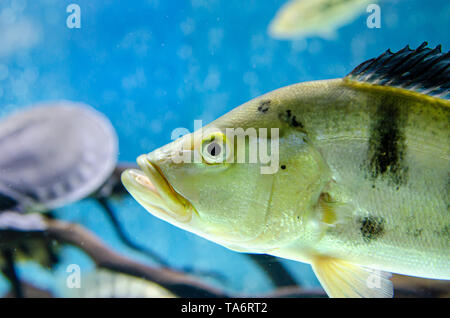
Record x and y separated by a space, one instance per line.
274 270
11 274
123 236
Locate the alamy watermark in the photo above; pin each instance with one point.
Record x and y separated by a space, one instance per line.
73 280
374 19
73 21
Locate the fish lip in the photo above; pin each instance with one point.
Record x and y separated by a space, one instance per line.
151 188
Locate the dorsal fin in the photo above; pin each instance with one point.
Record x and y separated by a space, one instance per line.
422 70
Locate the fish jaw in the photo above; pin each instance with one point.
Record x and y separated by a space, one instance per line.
151 189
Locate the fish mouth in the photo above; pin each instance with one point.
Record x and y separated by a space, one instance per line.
151 189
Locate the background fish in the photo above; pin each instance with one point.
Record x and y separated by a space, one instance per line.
305 18
51 154
362 185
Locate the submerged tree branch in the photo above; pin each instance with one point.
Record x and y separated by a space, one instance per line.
123 236
176 282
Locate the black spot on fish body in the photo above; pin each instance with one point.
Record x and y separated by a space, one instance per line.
264 106
372 228
296 123
283 167
386 148
418 232
291 120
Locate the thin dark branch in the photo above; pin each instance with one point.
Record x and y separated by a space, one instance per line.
176 282
10 272
274 270
123 236
30 291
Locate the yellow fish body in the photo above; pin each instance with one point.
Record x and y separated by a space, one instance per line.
304 18
361 185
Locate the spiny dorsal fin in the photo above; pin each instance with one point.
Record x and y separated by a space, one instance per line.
422 70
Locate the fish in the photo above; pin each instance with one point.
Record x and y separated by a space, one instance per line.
298 19
53 154
362 185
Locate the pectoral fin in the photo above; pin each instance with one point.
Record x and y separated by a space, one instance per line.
343 279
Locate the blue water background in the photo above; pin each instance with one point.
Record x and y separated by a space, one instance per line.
152 66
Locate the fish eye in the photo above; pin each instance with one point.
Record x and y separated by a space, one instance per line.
214 149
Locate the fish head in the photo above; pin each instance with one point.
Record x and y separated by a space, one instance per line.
216 182
222 201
